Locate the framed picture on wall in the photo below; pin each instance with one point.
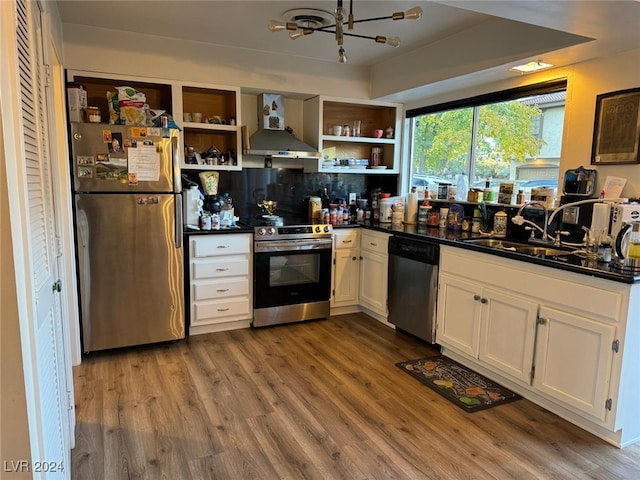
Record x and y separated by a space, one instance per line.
616 131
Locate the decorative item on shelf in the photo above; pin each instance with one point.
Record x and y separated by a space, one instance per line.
305 21
388 132
355 131
376 157
377 133
500 224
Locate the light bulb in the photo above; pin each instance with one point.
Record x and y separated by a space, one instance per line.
278 25
392 41
299 33
412 14
342 57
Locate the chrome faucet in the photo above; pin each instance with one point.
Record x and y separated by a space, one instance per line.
518 219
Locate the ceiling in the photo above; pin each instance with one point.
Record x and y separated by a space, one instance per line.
583 29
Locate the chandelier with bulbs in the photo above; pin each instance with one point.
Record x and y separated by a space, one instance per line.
314 20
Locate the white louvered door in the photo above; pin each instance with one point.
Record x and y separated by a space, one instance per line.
51 400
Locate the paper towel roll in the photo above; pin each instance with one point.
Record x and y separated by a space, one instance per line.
411 209
600 220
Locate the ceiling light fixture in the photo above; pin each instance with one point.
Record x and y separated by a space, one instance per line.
314 20
530 67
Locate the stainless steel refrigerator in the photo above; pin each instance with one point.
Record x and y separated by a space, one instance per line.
128 235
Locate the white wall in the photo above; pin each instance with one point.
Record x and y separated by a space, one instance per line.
103 50
585 81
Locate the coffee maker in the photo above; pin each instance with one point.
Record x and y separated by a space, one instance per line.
579 184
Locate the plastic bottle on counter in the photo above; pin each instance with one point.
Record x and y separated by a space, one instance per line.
462 186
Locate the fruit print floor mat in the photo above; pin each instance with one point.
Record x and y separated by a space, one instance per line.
465 388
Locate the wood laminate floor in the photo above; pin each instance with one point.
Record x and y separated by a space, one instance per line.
314 400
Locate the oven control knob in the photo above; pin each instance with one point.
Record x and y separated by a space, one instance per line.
261 231
326 229
272 231
318 229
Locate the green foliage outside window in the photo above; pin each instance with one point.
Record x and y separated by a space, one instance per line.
442 141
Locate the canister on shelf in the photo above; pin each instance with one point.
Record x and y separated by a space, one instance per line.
500 224
442 219
433 219
423 214
315 208
93 115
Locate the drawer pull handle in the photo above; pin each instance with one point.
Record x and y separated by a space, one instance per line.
354 258
347 241
477 297
373 244
222 290
222 246
223 309
484 300
221 269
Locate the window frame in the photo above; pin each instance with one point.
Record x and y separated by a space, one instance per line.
541 88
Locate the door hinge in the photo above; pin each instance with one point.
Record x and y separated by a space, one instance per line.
333 292
47 75
608 404
615 346
334 261
57 286
533 373
69 401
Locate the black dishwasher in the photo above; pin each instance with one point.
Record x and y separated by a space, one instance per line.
413 286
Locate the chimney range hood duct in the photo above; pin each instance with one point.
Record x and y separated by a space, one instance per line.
272 139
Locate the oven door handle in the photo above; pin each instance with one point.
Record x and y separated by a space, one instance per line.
291 245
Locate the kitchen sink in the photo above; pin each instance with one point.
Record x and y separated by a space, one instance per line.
538 251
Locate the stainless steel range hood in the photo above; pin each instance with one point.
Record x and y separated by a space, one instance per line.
272 139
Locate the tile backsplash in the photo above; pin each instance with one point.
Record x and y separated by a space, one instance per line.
291 188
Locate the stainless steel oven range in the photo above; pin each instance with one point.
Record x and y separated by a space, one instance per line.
291 273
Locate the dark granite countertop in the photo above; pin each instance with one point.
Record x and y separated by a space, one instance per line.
571 263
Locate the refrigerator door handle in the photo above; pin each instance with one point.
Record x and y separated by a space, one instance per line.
175 154
178 222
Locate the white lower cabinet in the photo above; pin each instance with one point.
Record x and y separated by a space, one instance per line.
493 326
219 282
345 275
567 341
374 273
573 360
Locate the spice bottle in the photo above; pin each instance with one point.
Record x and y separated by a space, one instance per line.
520 198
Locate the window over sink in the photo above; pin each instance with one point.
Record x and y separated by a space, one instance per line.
508 136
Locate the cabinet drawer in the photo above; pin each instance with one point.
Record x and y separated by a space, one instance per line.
374 242
202 311
223 288
348 238
219 267
222 244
